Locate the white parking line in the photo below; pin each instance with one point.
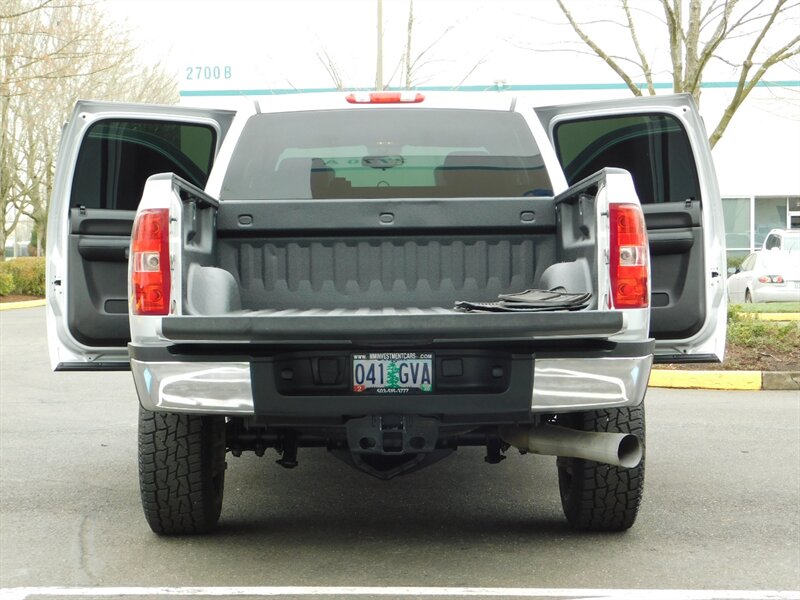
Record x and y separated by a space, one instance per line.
22 593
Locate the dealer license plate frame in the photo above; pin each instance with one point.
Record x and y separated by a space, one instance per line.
392 372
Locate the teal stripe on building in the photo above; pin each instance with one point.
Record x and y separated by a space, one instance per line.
541 87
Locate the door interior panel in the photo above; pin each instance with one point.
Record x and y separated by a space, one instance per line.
98 282
115 159
676 259
104 248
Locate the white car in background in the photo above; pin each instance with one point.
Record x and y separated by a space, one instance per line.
766 276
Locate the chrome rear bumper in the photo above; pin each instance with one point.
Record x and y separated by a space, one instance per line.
559 385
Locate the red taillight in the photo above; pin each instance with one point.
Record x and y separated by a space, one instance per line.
384 98
629 263
150 273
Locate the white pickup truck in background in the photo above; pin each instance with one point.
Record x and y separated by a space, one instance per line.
343 271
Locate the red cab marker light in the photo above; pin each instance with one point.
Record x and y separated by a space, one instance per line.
384 98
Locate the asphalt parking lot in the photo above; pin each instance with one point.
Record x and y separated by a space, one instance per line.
722 505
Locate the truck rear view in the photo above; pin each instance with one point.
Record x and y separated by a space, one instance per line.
389 278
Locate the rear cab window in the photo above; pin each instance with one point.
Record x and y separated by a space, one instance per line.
385 153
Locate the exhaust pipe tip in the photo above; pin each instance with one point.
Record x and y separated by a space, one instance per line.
618 449
629 452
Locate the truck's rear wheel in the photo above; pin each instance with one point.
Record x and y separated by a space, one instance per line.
181 471
596 496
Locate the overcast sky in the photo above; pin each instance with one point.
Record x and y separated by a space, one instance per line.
275 43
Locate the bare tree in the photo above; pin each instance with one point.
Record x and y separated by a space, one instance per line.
51 54
331 67
699 34
413 64
413 67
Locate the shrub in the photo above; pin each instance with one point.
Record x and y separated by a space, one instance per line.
734 313
766 336
27 275
6 283
734 262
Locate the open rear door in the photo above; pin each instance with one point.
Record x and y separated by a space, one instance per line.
107 152
662 142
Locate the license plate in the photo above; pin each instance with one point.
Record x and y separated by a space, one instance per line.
393 372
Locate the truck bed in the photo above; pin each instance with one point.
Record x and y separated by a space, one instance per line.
364 269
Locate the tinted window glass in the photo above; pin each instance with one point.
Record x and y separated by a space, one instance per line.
772 242
385 153
117 157
653 148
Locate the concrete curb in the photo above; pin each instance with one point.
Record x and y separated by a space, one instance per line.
23 304
725 380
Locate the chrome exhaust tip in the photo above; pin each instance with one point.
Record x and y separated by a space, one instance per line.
618 449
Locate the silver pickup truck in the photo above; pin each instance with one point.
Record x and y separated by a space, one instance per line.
387 276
